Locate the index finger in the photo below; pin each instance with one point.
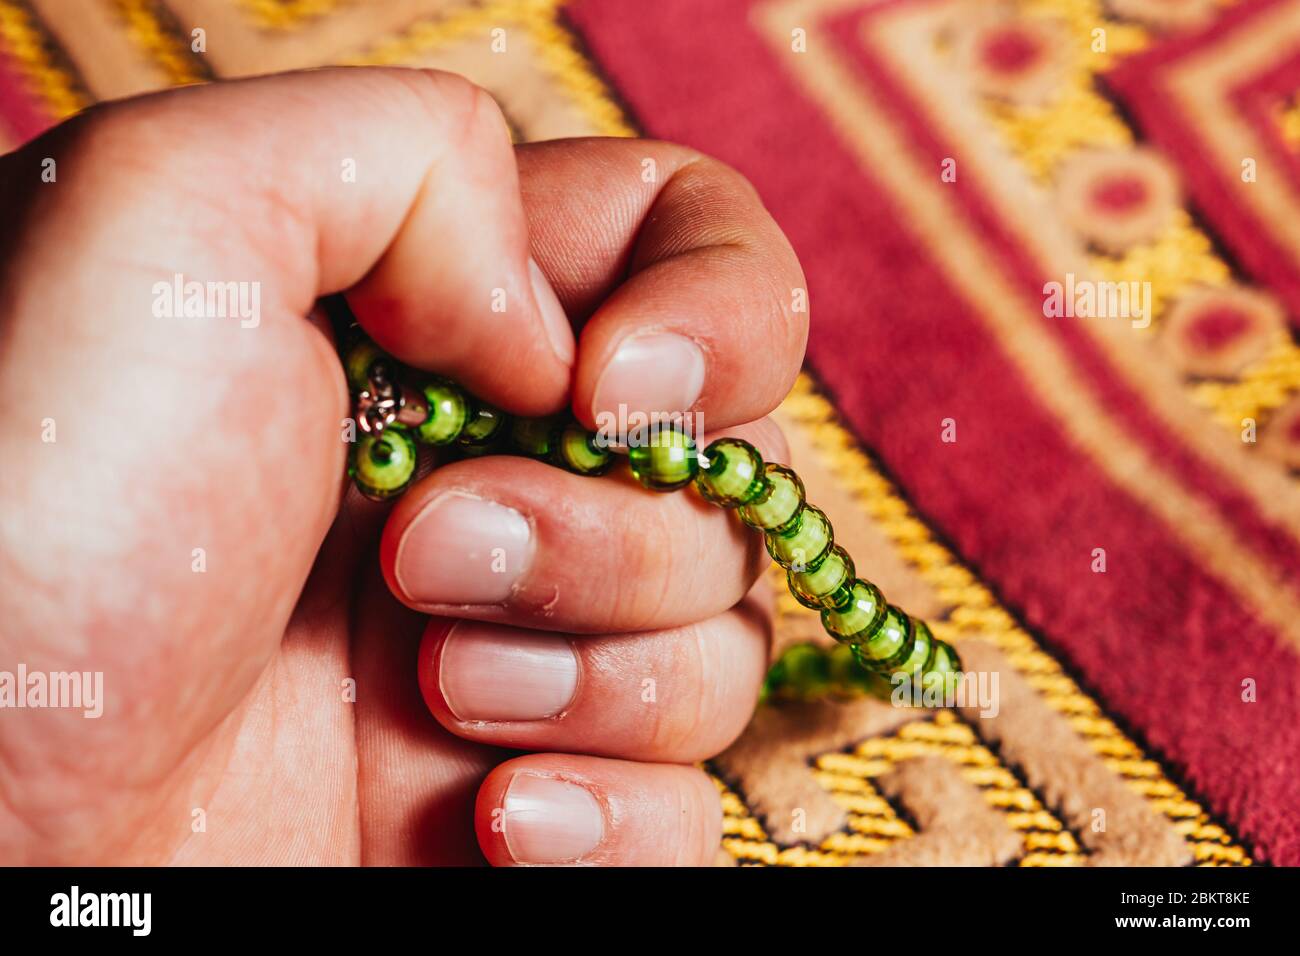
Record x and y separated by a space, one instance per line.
693 298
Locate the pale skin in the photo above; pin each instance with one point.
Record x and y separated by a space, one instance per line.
228 735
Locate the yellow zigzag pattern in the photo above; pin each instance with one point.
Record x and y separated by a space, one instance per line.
288 14
39 61
554 44
146 26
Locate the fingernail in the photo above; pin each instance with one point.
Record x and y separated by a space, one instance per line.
651 373
463 550
550 821
491 672
556 323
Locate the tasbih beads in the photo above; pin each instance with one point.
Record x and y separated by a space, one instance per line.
882 638
395 419
878 643
812 671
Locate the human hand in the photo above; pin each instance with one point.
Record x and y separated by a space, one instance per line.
186 533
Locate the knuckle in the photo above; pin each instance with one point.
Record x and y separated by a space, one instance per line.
698 810
136 134
459 105
645 575
701 717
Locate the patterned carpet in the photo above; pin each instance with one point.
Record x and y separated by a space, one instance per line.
1098 506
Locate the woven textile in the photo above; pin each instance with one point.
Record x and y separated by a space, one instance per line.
1094 499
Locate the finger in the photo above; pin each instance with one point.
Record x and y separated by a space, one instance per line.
696 300
415 783
520 542
398 185
456 291
680 695
556 809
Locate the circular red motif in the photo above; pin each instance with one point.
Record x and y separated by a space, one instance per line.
1216 328
1217 331
1018 60
1120 194
1117 198
1011 51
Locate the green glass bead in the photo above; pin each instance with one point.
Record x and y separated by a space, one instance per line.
942 671
830 584
732 473
806 671
846 674
665 462
358 361
779 502
850 678
577 451
536 437
859 618
804 543
891 643
447 413
384 464
773 682
922 648
483 424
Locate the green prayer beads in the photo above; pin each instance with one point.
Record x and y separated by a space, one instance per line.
447 414
890 644
857 618
828 585
482 425
803 542
383 465
877 644
802 666
809 671
731 475
536 437
580 452
778 502
359 359
942 666
922 647
666 461
878 637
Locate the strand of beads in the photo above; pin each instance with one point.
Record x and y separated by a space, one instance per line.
879 643
810 671
882 638
396 419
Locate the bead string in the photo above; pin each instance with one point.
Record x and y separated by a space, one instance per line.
878 644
